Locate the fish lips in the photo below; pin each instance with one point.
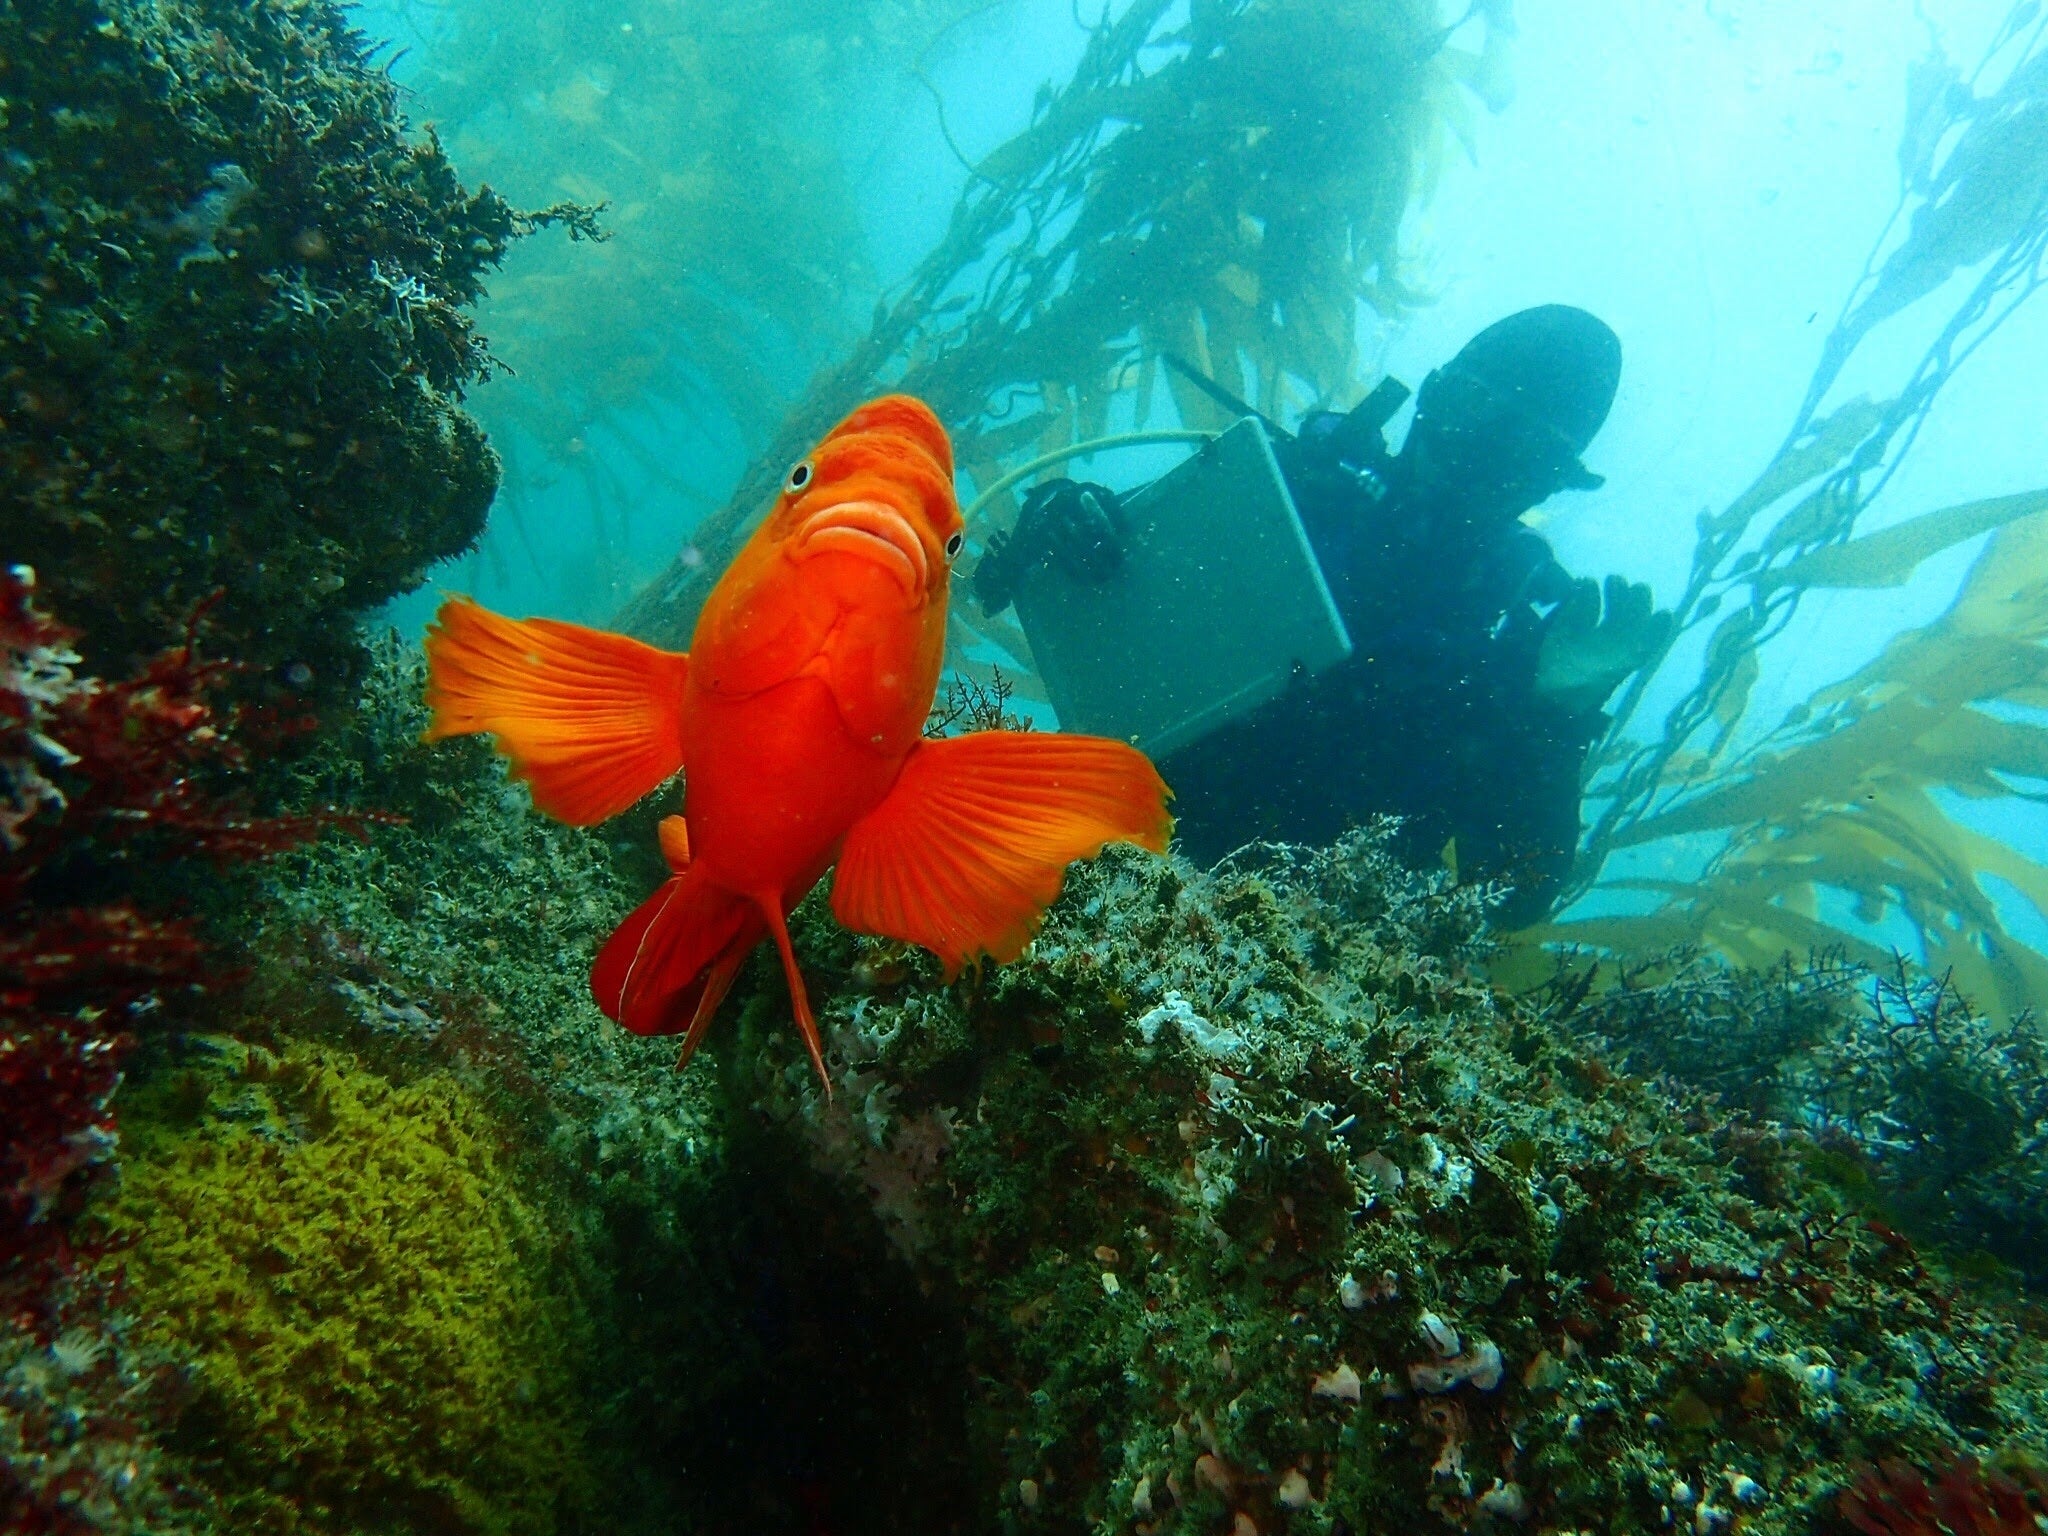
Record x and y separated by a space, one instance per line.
872 531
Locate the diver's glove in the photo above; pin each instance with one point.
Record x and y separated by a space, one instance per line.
1073 525
1585 655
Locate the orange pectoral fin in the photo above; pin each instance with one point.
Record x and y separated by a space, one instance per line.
591 720
972 843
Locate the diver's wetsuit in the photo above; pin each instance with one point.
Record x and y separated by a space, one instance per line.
1435 717
1479 665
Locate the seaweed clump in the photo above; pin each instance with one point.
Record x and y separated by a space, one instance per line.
101 785
1935 1113
381 1332
106 790
233 327
1261 1212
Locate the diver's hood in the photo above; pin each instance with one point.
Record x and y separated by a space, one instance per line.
1555 363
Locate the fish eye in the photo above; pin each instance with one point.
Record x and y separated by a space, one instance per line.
955 544
799 476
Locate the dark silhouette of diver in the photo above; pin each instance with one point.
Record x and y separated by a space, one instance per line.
1480 664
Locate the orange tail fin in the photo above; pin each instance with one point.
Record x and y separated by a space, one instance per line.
591 720
974 840
667 966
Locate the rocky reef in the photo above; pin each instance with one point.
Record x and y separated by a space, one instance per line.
1242 1202
1263 1213
234 330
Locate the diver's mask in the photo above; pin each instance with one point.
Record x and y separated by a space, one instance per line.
1471 432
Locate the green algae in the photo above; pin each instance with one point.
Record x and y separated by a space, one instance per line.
368 1290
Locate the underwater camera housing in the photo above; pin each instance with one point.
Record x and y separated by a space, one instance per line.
1217 605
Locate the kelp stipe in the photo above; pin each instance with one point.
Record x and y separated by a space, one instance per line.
1843 804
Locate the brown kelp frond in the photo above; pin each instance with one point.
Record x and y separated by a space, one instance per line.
1843 824
1852 796
1228 186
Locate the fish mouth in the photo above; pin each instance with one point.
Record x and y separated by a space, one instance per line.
873 531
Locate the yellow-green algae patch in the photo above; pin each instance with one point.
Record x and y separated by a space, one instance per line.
382 1330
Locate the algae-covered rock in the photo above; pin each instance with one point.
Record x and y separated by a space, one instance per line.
756 1363
464 921
81 1399
1240 1202
1262 1213
233 327
370 1289
1920 1101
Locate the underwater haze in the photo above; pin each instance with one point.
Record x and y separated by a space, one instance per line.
1158 768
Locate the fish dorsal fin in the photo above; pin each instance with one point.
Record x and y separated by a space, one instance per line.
973 841
591 720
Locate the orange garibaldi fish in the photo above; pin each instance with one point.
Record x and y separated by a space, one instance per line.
798 717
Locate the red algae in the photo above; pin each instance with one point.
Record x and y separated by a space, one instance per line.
99 782
1967 1499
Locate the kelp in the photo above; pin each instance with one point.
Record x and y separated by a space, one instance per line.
1225 182
712 133
1842 825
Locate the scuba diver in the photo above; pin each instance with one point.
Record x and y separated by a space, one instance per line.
1479 665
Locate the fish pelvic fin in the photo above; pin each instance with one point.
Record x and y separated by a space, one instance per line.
674 836
972 843
590 720
668 966
717 982
799 998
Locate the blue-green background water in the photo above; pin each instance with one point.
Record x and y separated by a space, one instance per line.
1706 177
1709 178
